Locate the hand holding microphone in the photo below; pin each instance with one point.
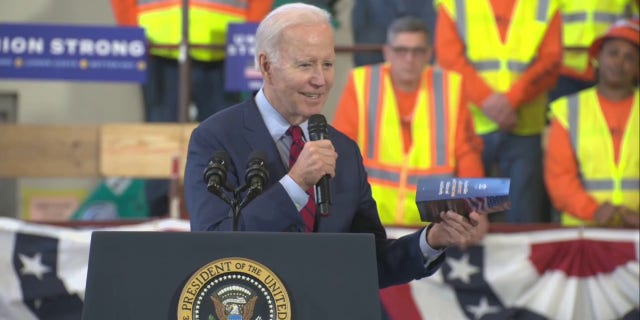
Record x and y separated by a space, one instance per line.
318 131
316 159
316 164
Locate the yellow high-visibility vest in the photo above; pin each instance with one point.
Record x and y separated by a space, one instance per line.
585 20
393 174
501 64
208 20
602 178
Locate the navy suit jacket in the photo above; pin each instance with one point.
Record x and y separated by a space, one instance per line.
240 130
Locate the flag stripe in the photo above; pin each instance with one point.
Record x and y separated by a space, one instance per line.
398 302
582 258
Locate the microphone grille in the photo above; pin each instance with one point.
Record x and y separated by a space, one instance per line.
221 156
258 155
317 124
218 165
256 166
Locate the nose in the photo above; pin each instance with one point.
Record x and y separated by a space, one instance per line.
318 77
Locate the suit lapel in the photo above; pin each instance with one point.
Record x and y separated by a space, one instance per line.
257 137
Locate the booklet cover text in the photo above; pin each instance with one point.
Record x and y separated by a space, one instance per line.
461 195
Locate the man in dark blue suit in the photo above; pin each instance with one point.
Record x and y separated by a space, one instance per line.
295 53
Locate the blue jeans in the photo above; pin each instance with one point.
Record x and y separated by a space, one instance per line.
160 95
520 159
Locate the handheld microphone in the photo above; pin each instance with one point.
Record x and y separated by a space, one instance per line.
215 174
318 131
256 176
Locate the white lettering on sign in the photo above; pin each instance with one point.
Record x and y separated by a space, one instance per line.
99 47
21 45
242 45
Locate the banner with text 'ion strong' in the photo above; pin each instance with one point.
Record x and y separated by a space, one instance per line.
80 53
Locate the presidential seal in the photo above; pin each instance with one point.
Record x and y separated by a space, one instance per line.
234 289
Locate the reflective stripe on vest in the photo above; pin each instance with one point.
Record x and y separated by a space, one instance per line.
438 107
442 139
208 21
500 63
372 133
494 65
238 6
581 17
394 174
602 178
608 184
392 177
573 105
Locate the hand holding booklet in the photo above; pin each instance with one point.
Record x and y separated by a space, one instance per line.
461 195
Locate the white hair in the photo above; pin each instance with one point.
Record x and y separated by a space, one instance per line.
270 29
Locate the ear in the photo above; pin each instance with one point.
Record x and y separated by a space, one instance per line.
264 64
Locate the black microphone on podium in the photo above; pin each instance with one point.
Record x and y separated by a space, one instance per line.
256 176
318 131
215 174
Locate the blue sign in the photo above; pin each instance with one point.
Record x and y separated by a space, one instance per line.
81 53
241 74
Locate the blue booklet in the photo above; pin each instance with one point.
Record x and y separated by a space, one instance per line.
462 195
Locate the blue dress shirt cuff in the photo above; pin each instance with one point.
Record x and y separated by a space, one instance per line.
297 195
430 254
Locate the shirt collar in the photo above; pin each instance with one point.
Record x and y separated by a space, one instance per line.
275 122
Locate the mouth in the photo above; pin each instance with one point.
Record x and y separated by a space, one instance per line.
616 73
314 96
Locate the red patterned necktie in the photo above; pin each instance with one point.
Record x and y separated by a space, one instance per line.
309 211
